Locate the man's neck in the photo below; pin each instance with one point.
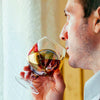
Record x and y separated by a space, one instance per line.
96 62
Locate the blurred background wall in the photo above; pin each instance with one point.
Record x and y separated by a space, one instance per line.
22 23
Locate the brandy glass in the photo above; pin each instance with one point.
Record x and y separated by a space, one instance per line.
44 58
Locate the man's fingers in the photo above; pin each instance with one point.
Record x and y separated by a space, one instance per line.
28 75
22 74
25 75
59 82
27 68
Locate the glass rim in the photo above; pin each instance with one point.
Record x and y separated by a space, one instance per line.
51 40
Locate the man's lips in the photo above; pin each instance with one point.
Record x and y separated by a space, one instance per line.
66 45
67 48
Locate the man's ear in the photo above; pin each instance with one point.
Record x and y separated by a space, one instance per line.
97 20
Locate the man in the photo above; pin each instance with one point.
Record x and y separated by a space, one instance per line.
82 35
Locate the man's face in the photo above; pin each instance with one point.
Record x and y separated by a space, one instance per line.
78 34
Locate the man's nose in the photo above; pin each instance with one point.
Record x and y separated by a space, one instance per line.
64 33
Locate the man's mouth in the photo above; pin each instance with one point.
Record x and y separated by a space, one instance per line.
66 45
67 51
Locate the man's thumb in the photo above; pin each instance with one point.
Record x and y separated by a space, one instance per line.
59 82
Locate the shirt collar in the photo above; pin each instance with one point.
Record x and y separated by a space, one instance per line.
92 86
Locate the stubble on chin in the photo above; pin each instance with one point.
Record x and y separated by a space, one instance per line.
83 49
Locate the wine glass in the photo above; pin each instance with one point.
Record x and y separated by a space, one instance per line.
44 58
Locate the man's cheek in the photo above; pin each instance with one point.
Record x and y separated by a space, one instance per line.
75 23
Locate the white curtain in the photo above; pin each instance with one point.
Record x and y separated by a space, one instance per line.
22 23
1 55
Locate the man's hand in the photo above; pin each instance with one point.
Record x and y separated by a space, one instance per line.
49 87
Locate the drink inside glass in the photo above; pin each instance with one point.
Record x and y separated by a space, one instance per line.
44 58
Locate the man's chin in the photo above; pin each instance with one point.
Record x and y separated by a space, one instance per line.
77 63
72 63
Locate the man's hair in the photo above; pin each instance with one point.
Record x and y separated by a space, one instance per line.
89 6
